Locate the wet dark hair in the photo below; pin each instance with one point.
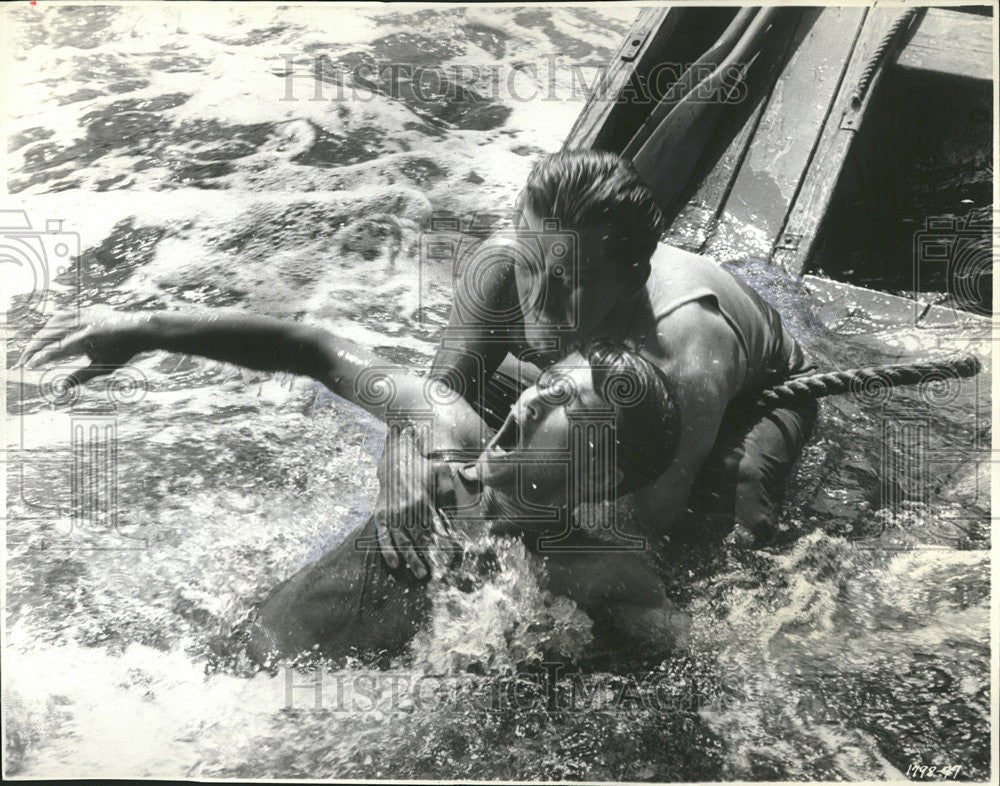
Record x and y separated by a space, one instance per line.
647 419
594 188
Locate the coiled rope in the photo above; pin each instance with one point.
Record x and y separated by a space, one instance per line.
870 380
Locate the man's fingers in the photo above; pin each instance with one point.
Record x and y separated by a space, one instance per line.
31 357
407 548
55 329
385 544
57 352
415 563
440 521
56 348
446 540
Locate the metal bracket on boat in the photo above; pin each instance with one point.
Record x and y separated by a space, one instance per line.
851 119
790 241
883 53
635 42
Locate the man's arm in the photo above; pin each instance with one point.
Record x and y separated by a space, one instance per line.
701 356
485 322
484 326
111 339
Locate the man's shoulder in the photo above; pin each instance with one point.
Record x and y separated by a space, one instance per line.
690 292
667 257
689 329
682 288
695 329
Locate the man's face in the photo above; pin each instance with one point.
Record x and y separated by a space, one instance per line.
566 289
526 459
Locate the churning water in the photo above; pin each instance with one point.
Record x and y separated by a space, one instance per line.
196 172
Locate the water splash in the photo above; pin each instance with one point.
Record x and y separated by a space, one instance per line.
845 655
506 621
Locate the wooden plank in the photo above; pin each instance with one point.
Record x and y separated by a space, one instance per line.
651 27
689 228
791 126
690 76
951 42
891 311
801 229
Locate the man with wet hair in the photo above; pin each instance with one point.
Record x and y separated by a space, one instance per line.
586 261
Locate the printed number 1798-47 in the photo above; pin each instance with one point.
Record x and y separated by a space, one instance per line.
932 771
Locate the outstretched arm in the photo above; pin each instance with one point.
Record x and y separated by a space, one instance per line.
111 339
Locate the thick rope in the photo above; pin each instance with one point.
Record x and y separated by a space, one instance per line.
871 382
887 42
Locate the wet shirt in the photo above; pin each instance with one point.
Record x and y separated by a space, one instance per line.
679 277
